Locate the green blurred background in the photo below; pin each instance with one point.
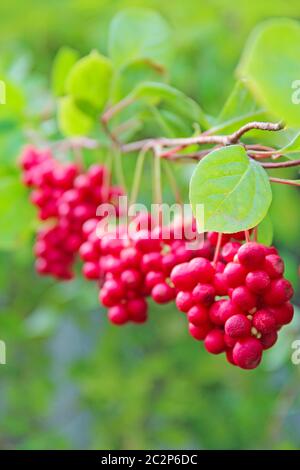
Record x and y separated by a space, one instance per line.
72 380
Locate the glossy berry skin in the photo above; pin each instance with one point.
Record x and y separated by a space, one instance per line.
214 342
198 315
182 277
283 314
162 293
238 326
204 294
184 301
247 353
257 281
274 266
264 321
235 274
201 270
243 298
280 291
268 340
199 332
229 251
118 315
251 255
137 310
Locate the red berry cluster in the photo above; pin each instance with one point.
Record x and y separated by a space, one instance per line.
238 305
68 197
135 264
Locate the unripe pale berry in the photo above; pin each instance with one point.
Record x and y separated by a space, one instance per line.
238 326
257 281
214 342
251 255
247 353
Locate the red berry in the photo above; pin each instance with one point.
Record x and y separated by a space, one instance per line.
229 251
251 255
137 310
257 281
264 321
182 277
163 293
214 342
220 284
201 270
274 266
151 262
229 357
184 301
198 315
280 291
131 257
204 294
269 339
114 289
90 270
283 314
131 279
118 315
247 353
235 274
243 298
199 332
238 326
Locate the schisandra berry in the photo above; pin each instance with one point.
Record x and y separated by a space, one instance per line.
214 342
264 321
238 326
198 315
251 255
247 353
184 301
204 294
280 291
243 298
257 281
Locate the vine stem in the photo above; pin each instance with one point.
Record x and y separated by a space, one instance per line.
203 138
173 183
218 248
285 181
119 168
289 163
138 175
247 236
157 178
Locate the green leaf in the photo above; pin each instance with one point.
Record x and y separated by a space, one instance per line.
265 231
153 93
233 189
239 109
138 33
89 80
271 65
64 60
16 213
133 74
72 120
292 147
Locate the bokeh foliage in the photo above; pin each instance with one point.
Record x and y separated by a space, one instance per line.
72 380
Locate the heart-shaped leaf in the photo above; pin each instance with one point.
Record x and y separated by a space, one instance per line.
234 190
272 67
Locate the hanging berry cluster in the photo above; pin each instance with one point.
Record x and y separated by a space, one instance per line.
66 197
233 292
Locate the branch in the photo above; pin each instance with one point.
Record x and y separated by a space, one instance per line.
284 181
289 163
203 138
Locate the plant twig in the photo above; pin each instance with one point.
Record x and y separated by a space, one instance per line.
285 181
287 164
